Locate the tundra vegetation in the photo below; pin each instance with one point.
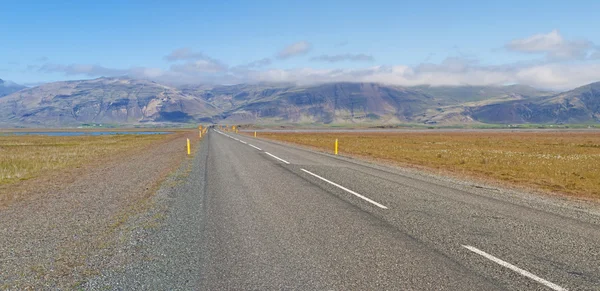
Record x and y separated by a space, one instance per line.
28 156
562 162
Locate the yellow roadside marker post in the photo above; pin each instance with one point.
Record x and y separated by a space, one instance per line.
188 146
335 149
255 134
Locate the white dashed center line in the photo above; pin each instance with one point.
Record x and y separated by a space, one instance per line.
515 268
255 147
347 190
276 157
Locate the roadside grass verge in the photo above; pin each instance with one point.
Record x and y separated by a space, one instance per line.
93 201
561 162
26 157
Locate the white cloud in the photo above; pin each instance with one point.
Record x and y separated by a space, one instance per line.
196 63
200 66
82 69
559 76
582 68
150 73
342 43
256 64
343 58
553 45
185 54
538 42
295 49
452 71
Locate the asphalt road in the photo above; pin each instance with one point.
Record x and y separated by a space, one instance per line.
260 215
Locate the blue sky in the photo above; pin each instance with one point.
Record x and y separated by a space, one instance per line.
551 44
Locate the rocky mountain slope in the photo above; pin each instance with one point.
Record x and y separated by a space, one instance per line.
130 101
328 103
581 105
451 95
103 100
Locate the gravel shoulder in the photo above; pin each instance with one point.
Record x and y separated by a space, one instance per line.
83 220
167 255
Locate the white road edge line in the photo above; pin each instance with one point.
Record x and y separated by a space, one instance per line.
255 147
278 158
515 268
348 190
243 142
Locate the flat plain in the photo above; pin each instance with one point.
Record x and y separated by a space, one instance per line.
25 157
566 162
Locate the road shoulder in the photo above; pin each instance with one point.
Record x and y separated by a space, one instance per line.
163 250
68 232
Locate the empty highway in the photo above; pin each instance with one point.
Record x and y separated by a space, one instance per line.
260 215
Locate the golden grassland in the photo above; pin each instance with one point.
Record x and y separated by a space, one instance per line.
562 162
25 157
99 129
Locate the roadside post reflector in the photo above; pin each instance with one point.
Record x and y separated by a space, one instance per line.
335 148
188 146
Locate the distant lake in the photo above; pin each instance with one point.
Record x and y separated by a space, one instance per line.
78 133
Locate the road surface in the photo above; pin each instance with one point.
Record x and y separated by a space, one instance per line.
261 215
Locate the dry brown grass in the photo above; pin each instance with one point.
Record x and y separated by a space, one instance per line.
71 219
563 162
26 157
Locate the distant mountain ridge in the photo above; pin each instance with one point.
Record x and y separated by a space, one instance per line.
580 105
328 103
131 101
7 87
103 100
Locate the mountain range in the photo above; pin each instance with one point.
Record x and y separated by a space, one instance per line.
133 101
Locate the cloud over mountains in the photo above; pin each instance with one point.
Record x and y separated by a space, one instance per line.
295 49
344 57
564 64
554 46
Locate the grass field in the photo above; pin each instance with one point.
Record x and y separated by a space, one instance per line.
564 162
26 157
